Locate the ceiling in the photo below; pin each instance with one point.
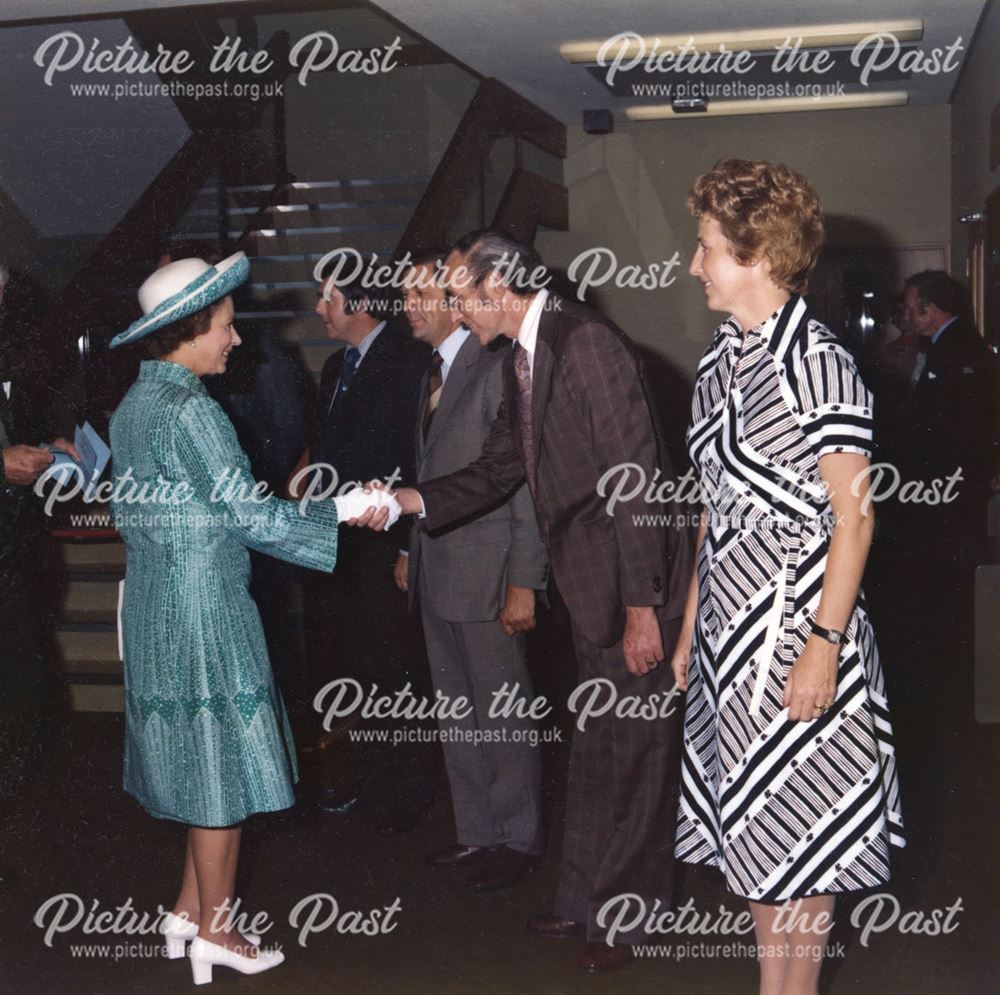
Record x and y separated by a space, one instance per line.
518 41
31 10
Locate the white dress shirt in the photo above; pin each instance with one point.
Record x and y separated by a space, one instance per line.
918 366
527 334
449 349
366 343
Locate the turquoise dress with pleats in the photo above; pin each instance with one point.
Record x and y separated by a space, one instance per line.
207 739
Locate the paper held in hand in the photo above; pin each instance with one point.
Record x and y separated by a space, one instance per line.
94 456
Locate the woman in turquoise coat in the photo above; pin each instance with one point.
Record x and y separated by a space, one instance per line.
207 739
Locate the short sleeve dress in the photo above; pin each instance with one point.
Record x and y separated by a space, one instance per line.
207 740
785 809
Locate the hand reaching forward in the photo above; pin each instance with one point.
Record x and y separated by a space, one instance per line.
406 500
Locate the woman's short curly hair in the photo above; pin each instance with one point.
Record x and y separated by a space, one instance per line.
767 209
165 340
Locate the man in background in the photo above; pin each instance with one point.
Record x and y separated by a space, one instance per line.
475 586
357 619
25 681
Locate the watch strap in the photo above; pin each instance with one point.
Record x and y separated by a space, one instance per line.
834 636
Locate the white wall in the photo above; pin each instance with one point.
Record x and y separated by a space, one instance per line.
977 93
884 177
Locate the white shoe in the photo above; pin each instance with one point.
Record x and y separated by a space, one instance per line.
178 931
205 955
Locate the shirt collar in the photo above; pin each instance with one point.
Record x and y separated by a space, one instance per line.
763 330
448 349
366 343
943 329
527 334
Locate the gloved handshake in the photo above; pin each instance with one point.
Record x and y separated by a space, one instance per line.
353 505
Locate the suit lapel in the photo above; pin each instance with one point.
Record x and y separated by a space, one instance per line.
458 378
418 428
368 370
541 374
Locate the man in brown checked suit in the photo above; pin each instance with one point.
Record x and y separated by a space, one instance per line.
574 408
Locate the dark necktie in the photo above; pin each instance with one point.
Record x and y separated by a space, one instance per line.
522 371
435 384
351 358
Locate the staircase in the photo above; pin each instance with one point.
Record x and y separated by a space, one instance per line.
286 241
87 632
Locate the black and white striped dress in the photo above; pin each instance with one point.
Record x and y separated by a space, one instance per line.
785 809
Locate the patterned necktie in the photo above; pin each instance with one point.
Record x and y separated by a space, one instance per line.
351 358
522 370
435 384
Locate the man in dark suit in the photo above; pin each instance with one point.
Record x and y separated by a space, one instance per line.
475 586
359 624
24 673
952 422
574 409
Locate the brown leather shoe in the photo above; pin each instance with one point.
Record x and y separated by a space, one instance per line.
555 926
458 855
598 956
502 869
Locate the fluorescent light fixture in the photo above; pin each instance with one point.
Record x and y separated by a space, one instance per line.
748 40
778 105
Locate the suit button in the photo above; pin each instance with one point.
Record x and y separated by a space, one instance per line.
657 584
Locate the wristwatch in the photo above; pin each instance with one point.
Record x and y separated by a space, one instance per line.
834 636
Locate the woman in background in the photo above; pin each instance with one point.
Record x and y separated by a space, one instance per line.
789 782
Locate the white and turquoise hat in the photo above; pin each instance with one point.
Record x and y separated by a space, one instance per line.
180 288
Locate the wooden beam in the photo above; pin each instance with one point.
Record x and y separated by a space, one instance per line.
521 117
493 110
528 201
455 173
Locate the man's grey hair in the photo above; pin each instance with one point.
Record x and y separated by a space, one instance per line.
490 251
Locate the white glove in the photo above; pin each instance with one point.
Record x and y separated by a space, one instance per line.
355 503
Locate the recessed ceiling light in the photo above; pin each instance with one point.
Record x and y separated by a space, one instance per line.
749 40
780 105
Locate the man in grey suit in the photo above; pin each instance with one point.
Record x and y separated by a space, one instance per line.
475 586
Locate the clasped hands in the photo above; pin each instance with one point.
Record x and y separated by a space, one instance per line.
375 506
363 505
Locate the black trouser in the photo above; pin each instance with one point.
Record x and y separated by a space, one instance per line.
359 627
29 694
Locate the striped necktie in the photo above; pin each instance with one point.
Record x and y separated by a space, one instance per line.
435 384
